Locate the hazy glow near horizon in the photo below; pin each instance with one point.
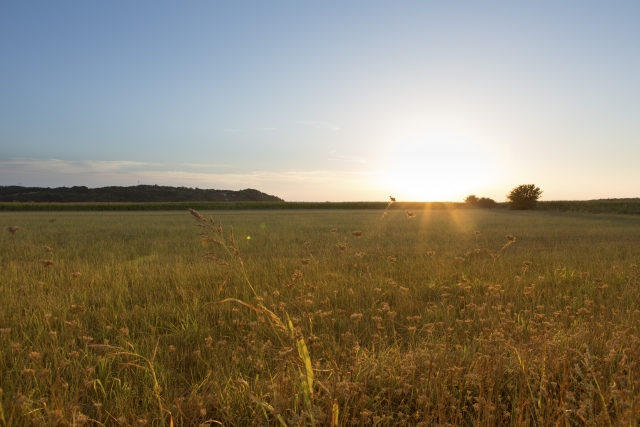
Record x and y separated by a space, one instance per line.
325 101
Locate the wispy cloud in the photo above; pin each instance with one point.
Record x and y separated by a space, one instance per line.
72 166
267 129
318 185
351 159
201 165
318 124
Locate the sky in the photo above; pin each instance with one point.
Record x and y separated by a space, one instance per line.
331 100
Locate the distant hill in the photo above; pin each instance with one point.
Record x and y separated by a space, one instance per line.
138 193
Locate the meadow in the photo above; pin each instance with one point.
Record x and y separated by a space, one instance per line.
320 317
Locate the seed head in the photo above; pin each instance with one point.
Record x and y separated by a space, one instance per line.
12 229
48 249
410 214
77 309
477 233
197 216
393 199
510 238
459 259
431 253
76 274
358 234
47 263
19 399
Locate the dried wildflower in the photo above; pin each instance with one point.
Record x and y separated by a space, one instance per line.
48 249
47 263
87 339
124 331
510 238
410 214
476 233
76 274
359 254
35 356
342 247
29 372
431 253
81 418
355 317
5 331
495 255
459 259
527 263
393 199
305 261
307 244
12 229
358 234
392 259
19 399
77 309
333 230
55 417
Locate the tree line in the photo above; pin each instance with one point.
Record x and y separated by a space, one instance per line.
522 197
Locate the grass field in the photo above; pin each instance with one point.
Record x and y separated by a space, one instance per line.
417 322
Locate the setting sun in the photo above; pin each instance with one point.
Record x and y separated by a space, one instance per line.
436 167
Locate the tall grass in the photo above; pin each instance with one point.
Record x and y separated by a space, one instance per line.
417 321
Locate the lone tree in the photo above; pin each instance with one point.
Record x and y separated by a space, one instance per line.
524 197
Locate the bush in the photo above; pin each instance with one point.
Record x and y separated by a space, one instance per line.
486 203
524 197
482 202
471 200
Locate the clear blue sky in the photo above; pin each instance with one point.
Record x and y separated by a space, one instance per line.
324 100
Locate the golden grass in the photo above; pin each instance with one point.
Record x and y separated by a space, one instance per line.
292 318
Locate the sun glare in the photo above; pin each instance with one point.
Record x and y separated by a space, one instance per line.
437 167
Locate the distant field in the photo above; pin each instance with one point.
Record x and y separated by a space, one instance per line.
417 322
613 206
